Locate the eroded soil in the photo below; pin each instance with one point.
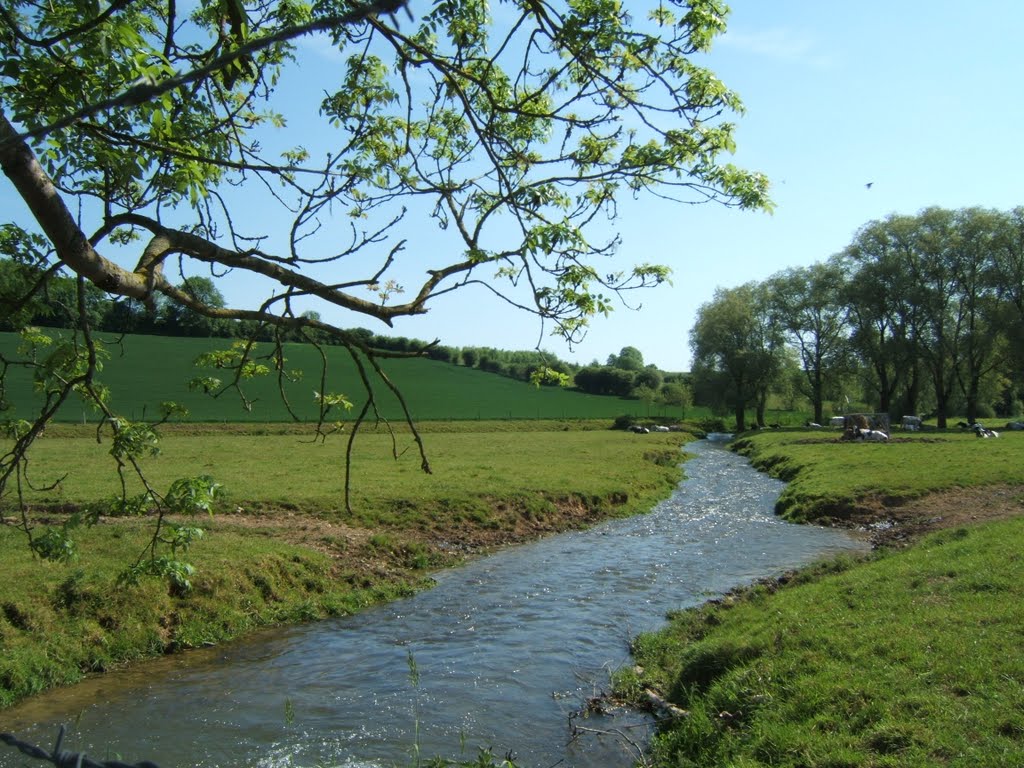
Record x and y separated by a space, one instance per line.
899 524
446 543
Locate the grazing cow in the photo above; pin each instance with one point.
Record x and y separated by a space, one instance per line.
982 431
911 423
660 428
639 430
1015 425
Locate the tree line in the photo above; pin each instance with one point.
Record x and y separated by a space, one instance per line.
920 314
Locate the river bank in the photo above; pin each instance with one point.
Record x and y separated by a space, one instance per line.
281 548
905 658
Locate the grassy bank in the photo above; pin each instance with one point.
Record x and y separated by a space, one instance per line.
830 479
282 548
910 657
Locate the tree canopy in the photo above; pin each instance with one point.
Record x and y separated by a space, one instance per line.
737 345
513 137
139 135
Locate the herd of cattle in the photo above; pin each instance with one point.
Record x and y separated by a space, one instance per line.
861 426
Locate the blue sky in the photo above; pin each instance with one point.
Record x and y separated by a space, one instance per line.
921 99
924 100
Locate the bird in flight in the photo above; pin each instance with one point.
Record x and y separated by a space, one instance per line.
869 185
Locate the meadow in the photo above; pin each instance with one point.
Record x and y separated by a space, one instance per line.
909 659
291 469
143 371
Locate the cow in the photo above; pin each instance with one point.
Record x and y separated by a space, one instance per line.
911 423
871 435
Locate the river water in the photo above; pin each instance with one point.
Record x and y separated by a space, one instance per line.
501 653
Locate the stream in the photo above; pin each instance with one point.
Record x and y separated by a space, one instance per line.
501 653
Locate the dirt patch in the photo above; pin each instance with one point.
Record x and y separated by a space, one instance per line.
892 523
507 525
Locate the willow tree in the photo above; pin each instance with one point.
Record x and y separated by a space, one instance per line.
884 312
136 135
737 343
807 301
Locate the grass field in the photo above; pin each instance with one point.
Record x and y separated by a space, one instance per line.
144 371
292 470
911 659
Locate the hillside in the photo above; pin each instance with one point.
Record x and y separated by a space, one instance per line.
144 371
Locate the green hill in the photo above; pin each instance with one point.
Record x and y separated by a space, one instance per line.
143 371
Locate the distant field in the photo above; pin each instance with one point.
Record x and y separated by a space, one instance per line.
147 370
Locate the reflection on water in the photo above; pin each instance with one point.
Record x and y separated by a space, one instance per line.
505 649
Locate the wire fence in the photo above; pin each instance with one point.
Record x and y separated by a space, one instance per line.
63 759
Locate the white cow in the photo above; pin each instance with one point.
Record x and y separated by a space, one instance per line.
871 435
912 423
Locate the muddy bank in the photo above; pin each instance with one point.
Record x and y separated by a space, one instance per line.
894 522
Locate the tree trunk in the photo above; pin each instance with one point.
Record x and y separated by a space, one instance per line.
885 387
819 404
741 415
972 398
913 390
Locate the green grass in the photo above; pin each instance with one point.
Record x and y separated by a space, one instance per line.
294 471
825 474
910 659
144 371
298 555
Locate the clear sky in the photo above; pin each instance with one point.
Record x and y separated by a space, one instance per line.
921 99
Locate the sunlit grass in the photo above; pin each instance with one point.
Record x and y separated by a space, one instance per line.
298 472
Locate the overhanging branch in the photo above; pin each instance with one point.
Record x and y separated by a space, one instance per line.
147 91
